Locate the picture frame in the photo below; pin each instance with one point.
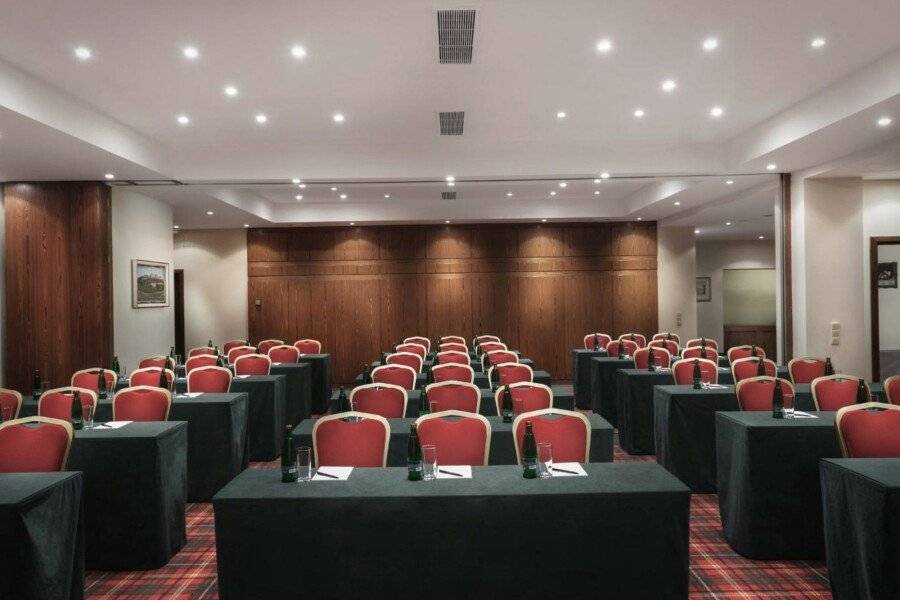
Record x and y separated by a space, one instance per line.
149 283
886 275
704 289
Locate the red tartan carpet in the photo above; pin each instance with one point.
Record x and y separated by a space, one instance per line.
717 572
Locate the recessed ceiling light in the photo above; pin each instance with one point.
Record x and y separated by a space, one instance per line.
183 119
447 222
261 119
338 118
352 223
230 90
299 196
449 178
246 224
639 112
543 220
640 218
82 53
298 51
729 182
696 231
209 212
333 189
596 192
295 180
553 193
604 45
762 237
343 196
110 176
598 180
563 184
604 175
668 85
302 186
176 226
509 194
710 44
716 111
818 42
561 114
677 203
771 166
190 52
387 195
885 121
728 222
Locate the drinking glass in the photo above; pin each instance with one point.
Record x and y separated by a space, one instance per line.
788 406
545 460
87 415
429 462
434 405
304 464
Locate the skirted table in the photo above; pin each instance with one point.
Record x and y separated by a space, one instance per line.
502 452
319 380
42 536
481 379
475 363
603 385
441 539
581 375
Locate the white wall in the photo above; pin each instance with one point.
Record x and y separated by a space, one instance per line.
215 284
141 228
675 276
2 282
713 257
881 217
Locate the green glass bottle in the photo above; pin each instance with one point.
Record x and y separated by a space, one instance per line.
424 406
507 405
596 343
383 359
529 453
668 336
651 359
209 344
367 373
413 455
698 377
829 368
116 367
862 394
77 412
163 381
760 367
36 387
343 403
753 353
288 458
621 350
777 401
101 385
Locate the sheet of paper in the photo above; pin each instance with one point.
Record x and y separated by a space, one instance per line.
240 376
715 386
799 414
577 470
338 474
191 394
444 472
113 424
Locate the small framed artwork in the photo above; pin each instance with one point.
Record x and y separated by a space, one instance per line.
704 289
887 275
149 283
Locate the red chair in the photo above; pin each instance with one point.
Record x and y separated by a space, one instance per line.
683 371
231 345
452 357
497 357
756 393
892 389
202 351
160 362
453 372
283 354
701 352
455 396
628 347
459 437
308 346
264 346
413 361
744 368
805 369
452 346
491 347
869 430
638 338
453 339
57 403
738 352
253 364
87 379
480 339
568 433
526 397
666 335
708 342
199 361
34 445
602 340
402 375
341 440
142 403
150 377
417 349
670 345
240 351
210 380
418 339
832 392
10 404
506 373
661 357
383 399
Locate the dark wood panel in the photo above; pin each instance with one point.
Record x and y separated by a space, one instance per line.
542 320
634 302
588 305
763 336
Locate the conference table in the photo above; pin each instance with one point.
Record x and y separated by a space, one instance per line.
319 380
481 379
42 536
862 540
603 392
475 363
502 450
581 375
620 532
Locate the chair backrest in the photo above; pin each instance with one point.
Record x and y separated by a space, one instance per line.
385 399
308 346
683 371
34 445
869 430
568 432
459 437
506 373
351 439
756 393
264 346
639 338
670 345
417 349
454 346
743 368
253 364
201 351
283 354
418 339
87 379
526 397
210 380
480 339
602 340
142 403
628 347
498 357
199 361
832 392
402 375
10 404
57 403
701 352
160 362
666 335
491 347
892 389
454 395
453 339
232 344
806 368
453 372
661 357
708 342
413 361
738 352
239 351
452 357
150 376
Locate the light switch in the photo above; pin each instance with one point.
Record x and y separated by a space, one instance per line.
835 327
678 319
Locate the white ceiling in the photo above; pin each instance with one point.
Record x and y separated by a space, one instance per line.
784 103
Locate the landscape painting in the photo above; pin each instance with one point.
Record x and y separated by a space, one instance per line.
149 283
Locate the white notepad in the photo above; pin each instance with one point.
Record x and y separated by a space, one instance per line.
191 394
799 414
577 469
240 376
339 474
114 424
464 470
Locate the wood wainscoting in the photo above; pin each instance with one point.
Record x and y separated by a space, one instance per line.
763 336
361 290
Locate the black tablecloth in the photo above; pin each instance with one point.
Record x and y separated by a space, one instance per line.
320 381
481 379
861 502
297 390
135 488
41 536
581 375
621 532
502 452
768 474
603 385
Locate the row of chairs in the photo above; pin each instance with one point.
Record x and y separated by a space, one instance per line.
135 403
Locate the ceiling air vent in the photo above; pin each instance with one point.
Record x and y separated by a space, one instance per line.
448 195
456 32
452 122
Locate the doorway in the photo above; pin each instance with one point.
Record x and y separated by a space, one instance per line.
884 256
179 312
749 308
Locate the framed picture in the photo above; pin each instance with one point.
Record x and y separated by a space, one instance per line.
704 289
887 275
149 283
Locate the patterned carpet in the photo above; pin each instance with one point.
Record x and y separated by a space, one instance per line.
717 572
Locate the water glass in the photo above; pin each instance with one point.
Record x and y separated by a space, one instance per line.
304 463
429 462
788 406
87 415
545 460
